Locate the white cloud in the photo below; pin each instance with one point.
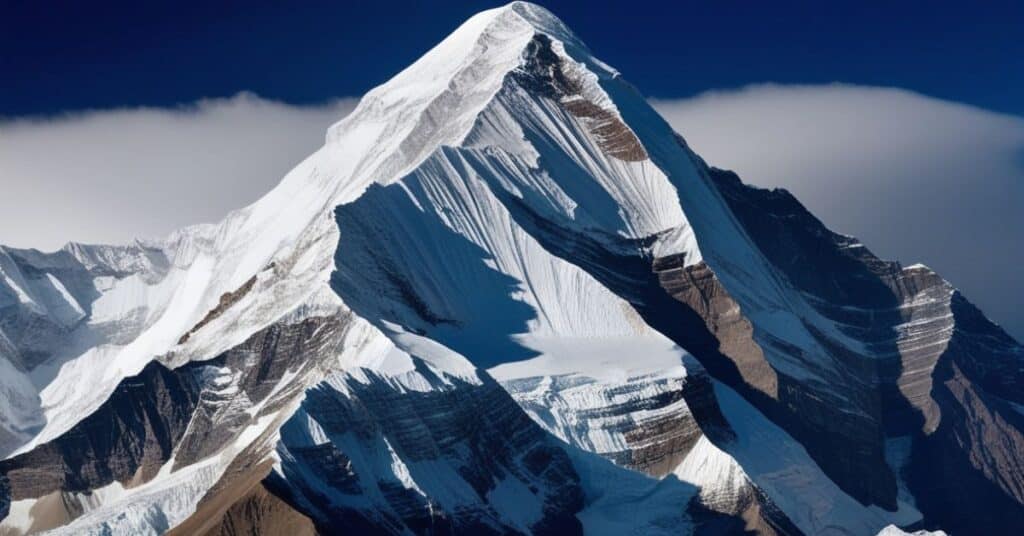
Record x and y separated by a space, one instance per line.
916 178
113 175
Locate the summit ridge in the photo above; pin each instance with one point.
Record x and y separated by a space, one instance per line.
503 297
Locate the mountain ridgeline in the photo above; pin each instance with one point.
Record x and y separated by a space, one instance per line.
505 297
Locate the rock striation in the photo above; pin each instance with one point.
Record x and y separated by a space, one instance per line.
503 298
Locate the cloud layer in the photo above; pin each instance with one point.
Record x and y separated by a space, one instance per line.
114 175
918 179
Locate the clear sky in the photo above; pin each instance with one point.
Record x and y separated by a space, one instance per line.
57 56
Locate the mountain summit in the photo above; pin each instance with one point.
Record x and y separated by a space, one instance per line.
504 297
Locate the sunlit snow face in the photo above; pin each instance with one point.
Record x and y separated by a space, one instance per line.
917 179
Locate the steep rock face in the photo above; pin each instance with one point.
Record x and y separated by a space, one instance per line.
846 443
645 423
971 461
899 317
188 414
260 512
672 351
836 367
135 303
251 373
425 453
656 424
129 437
55 306
521 218
918 364
244 501
543 73
226 300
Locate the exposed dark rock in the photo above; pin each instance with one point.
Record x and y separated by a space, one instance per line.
126 440
226 301
845 445
261 513
651 414
889 352
476 430
242 503
864 295
543 73
191 411
934 369
750 513
5 496
659 445
697 287
968 472
612 135
255 367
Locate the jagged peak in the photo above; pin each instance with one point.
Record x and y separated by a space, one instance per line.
494 33
436 101
544 21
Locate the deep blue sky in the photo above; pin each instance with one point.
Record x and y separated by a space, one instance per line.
64 56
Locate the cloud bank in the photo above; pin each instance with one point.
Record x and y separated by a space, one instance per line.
114 175
917 179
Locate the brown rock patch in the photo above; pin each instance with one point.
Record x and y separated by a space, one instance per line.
226 300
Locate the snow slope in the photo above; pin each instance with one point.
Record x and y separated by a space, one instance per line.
454 314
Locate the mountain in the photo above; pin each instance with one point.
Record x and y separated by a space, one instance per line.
504 297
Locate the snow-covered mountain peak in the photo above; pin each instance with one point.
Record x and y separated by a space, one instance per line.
482 305
488 44
435 101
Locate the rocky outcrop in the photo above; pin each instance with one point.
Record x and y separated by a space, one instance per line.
689 354
926 364
966 472
645 423
226 300
698 288
126 440
844 443
545 73
379 454
240 380
259 512
190 412
46 317
242 503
